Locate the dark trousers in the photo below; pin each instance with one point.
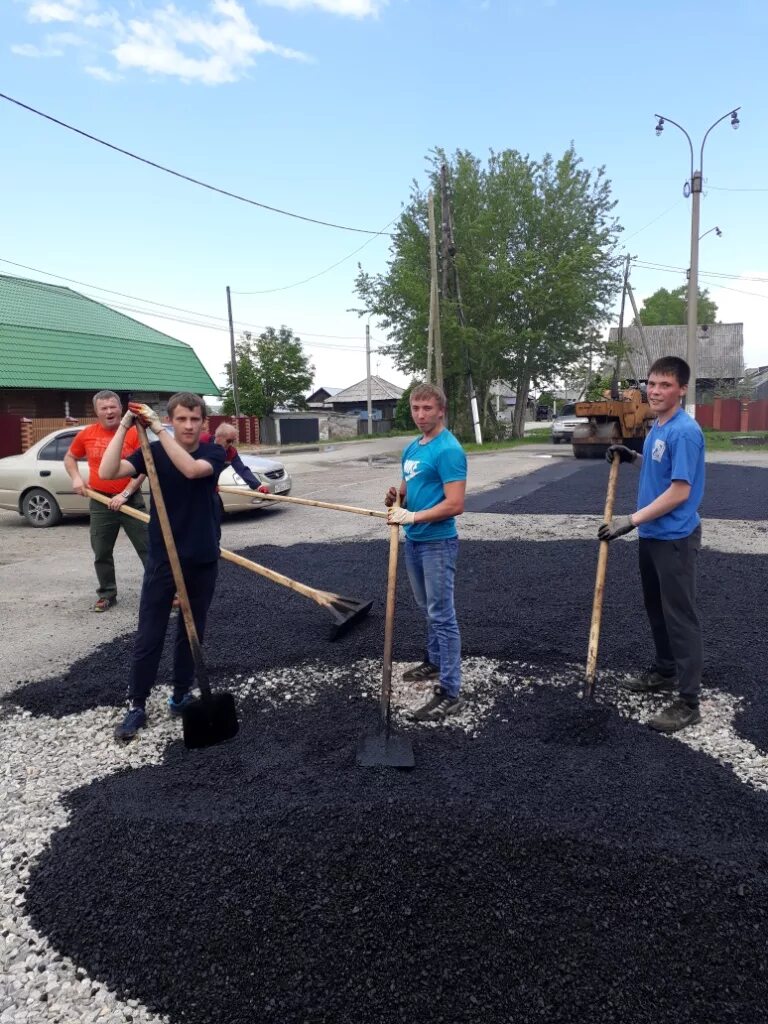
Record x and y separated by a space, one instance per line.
157 594
105 526
668 574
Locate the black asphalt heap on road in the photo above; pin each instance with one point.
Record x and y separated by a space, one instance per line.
557 865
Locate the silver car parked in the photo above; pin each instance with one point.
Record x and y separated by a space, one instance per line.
37 486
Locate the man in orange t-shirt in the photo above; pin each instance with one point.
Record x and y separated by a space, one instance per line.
106 520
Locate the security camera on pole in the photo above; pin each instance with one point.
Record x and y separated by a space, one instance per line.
693 188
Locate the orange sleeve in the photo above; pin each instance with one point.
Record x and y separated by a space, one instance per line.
77 448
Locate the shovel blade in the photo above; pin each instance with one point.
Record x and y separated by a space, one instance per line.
209 721
385 751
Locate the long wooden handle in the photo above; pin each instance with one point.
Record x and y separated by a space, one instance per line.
322 597
302 501
385 705
173 557
597 601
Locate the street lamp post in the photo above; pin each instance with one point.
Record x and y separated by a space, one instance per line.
693 188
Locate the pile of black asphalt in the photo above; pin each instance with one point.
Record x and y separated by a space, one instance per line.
561 863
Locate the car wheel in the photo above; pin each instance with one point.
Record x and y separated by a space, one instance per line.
40 508
555 440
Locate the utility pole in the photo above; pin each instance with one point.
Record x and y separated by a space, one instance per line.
233 357
449 253
693 188
434 340
368 377
692 341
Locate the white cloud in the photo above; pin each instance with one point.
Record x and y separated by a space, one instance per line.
53 45
349 8
66 10
211 50
103 74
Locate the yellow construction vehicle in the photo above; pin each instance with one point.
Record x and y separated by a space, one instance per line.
622 420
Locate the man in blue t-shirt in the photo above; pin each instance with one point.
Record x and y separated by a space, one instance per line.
667 520
188 472
431 496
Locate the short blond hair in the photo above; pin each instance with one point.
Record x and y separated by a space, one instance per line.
429 391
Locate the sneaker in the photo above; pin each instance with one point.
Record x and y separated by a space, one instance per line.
177 704
420 673
439 706
135 719
650 681
677 716
104 604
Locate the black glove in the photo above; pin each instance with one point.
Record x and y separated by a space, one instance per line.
616 528
625 454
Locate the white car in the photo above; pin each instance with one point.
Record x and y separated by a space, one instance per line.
37 486
564 425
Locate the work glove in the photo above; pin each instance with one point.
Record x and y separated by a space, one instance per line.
263 489
616 528
390 497
625 454
127 420
400 517
147 416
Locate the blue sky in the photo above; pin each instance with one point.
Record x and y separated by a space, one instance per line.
327 108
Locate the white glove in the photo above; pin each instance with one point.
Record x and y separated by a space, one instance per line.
127 420
400 517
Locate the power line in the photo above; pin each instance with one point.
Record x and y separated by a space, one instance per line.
650 222
723 188
179 174
714 280
648 265
165 306
306 280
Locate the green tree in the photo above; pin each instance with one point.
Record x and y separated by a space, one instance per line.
535 257
671 307
272 372
402 420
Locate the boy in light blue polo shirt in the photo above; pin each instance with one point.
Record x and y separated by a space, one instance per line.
667 520
431 496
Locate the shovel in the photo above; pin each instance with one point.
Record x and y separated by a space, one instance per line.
213 718
385 749
597 602
345 611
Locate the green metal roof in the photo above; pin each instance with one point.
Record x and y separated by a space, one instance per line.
53 337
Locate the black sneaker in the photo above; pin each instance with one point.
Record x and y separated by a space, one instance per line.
135 719
650 681
439 706
677 716
421 673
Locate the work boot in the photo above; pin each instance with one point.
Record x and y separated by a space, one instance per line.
650 681
135 719
177 703
677 716
439 706
104 604
421 673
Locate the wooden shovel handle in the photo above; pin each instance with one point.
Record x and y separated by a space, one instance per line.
389 623
597 602
225 489
173 557
322 597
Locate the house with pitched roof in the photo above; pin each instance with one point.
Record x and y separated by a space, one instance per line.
353 401
58 347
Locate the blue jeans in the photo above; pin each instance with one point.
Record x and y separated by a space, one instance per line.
431 568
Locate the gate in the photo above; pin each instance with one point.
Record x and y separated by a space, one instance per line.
299 431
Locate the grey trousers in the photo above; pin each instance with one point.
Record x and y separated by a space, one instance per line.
668 574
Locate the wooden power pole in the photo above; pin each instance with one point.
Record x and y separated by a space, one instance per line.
434 341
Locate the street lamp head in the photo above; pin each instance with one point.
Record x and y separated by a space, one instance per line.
735 119
660 125
718 232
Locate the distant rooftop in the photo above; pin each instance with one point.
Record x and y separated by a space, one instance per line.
381 390
721 349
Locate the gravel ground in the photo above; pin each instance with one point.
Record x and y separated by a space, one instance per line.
547 861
